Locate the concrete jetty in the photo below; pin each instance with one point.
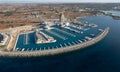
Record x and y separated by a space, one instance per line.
70 34
56 50
26 39
56 34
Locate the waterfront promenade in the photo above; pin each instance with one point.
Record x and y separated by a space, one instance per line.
57 50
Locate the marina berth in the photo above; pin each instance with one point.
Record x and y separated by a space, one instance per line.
57 50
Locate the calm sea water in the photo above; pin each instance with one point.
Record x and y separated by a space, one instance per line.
115 13
101 57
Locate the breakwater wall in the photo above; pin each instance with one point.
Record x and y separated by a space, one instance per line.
57 50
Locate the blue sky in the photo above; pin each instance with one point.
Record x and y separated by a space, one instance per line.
54 1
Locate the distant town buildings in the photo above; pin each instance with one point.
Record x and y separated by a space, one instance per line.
116 7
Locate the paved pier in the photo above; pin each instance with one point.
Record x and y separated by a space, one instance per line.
26 39
65 32
59 36
72 29
57 50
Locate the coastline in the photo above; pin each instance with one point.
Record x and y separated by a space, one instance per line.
56 51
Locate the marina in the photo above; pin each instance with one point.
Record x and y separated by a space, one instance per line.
55 38
48 51
64 37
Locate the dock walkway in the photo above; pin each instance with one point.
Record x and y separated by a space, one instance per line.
57 50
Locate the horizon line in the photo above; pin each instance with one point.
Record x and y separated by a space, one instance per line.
53 2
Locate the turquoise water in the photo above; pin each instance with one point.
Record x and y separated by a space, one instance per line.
101 57
71 38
